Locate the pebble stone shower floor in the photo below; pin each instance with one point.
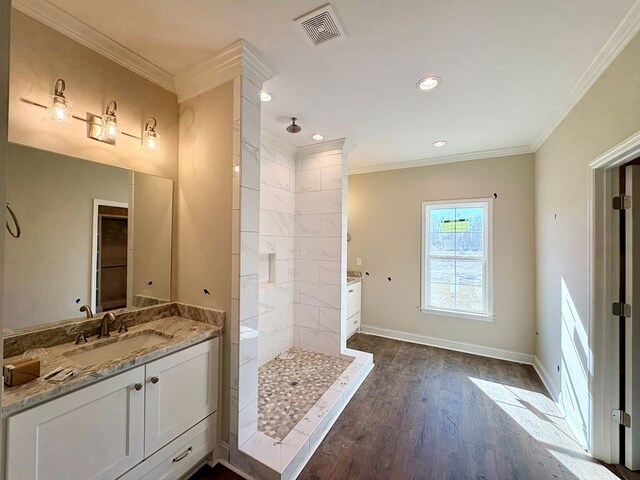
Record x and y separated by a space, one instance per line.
287 389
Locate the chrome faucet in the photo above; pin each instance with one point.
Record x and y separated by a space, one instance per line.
104 326
87 310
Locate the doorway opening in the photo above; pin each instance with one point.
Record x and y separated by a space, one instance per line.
110 265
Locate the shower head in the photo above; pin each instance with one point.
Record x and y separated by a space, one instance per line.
293 128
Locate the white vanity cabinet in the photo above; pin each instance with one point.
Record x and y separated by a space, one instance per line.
180 391
354 296
94 433
115 426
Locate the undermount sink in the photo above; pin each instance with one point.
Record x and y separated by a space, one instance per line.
105 350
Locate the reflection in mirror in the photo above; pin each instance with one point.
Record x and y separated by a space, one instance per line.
91 234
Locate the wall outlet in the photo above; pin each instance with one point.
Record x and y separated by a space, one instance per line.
358 261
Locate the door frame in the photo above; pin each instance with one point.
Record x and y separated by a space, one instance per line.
97 203
603 277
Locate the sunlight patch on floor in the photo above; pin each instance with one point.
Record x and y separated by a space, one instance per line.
540 417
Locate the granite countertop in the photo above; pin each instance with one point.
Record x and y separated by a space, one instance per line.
181 333
353 276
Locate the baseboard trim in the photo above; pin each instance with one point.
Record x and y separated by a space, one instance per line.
449 344
542 372
570 415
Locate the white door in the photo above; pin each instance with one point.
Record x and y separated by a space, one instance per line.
94 433
181 390
632 335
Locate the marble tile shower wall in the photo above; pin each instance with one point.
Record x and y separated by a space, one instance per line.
320 249
277 237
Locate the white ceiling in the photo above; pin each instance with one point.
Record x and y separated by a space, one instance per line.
510 68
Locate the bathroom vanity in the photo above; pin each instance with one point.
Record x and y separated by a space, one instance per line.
148 412
354 300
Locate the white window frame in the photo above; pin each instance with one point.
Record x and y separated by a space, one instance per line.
487 204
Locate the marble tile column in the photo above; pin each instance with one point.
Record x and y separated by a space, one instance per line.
320 247
245 262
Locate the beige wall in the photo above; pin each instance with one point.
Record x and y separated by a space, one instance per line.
202 233
50 264
384 212
606 115
40 55
152 221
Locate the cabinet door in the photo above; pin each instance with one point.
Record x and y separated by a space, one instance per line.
353 299
94 433
181 390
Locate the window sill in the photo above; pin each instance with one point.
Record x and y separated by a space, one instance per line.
449 313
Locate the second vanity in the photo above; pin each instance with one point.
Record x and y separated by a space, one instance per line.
146 413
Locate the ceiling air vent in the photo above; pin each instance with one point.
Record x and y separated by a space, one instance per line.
321 25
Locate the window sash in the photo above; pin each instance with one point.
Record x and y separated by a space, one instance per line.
485 258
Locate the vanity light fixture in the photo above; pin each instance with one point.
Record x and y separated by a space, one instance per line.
59 108
149 136
265 96
439 143
317 136
105 128
428 83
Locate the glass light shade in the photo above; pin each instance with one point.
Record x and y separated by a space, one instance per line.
150 140
109 128
59 108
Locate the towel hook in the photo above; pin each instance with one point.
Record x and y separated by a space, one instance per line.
18 231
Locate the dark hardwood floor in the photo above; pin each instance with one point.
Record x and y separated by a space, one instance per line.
428 413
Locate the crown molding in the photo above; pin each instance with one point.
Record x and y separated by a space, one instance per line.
239 58
463 157
619 39
278 145
323 148
56 18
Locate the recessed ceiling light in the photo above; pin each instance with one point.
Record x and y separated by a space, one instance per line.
439 143
317 136
265 96
428 83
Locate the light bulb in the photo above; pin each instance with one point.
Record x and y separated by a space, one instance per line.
428 83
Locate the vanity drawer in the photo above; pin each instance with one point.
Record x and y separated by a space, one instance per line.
178 457
353 324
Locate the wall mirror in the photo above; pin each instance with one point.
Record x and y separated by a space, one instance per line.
91 234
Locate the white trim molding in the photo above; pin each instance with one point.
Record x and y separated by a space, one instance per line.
619 39
323 148
570 415
278 145
481 350
547 380
239 58
603 274
462 157
68 25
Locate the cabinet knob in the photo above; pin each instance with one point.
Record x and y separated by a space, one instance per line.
154 380
138 386
351 291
